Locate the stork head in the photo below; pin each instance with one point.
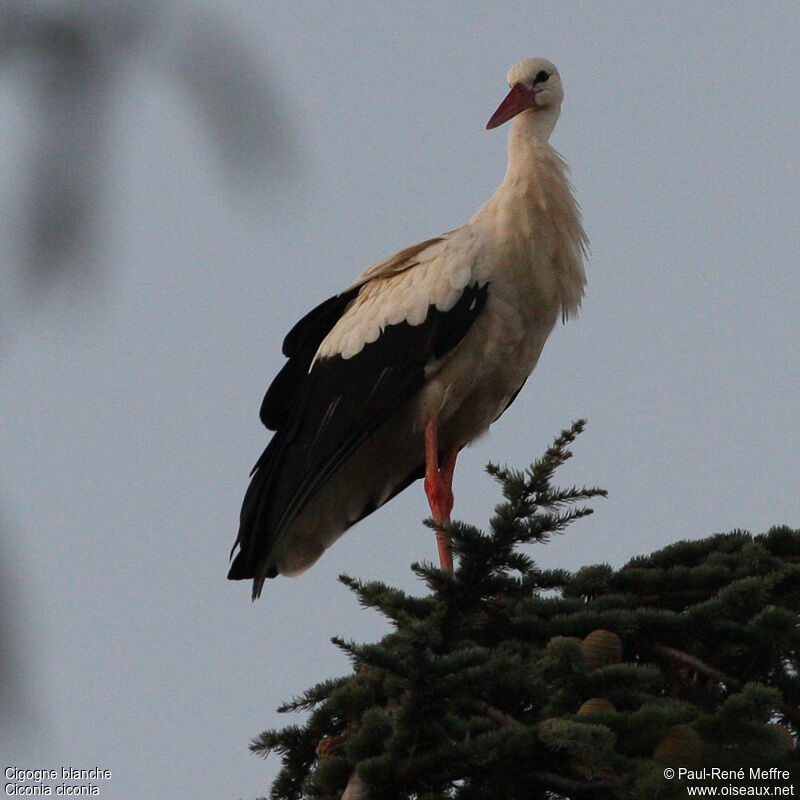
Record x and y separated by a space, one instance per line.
535 88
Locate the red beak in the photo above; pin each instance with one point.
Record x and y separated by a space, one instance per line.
516 101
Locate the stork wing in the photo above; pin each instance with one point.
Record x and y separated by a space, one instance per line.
352 361
302 341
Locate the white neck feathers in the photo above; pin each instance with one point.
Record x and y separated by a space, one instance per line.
535 206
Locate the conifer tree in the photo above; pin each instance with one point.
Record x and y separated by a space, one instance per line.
511 682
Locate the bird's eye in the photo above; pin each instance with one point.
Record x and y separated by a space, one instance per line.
541 77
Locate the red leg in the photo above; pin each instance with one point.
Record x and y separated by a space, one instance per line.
438 488
448 465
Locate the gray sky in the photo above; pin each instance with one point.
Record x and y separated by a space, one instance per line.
129 420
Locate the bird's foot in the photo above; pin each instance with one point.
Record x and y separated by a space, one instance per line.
445 548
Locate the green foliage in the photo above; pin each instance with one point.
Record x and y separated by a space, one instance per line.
479 689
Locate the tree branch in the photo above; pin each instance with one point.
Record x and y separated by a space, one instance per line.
695 663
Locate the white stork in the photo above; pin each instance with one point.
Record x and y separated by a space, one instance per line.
387 381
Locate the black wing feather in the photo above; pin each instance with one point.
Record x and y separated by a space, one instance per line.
299 346
321 417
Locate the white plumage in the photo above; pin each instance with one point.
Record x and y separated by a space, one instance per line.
423 352
435 277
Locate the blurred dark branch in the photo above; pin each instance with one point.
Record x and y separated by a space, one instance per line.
75 54
230 89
